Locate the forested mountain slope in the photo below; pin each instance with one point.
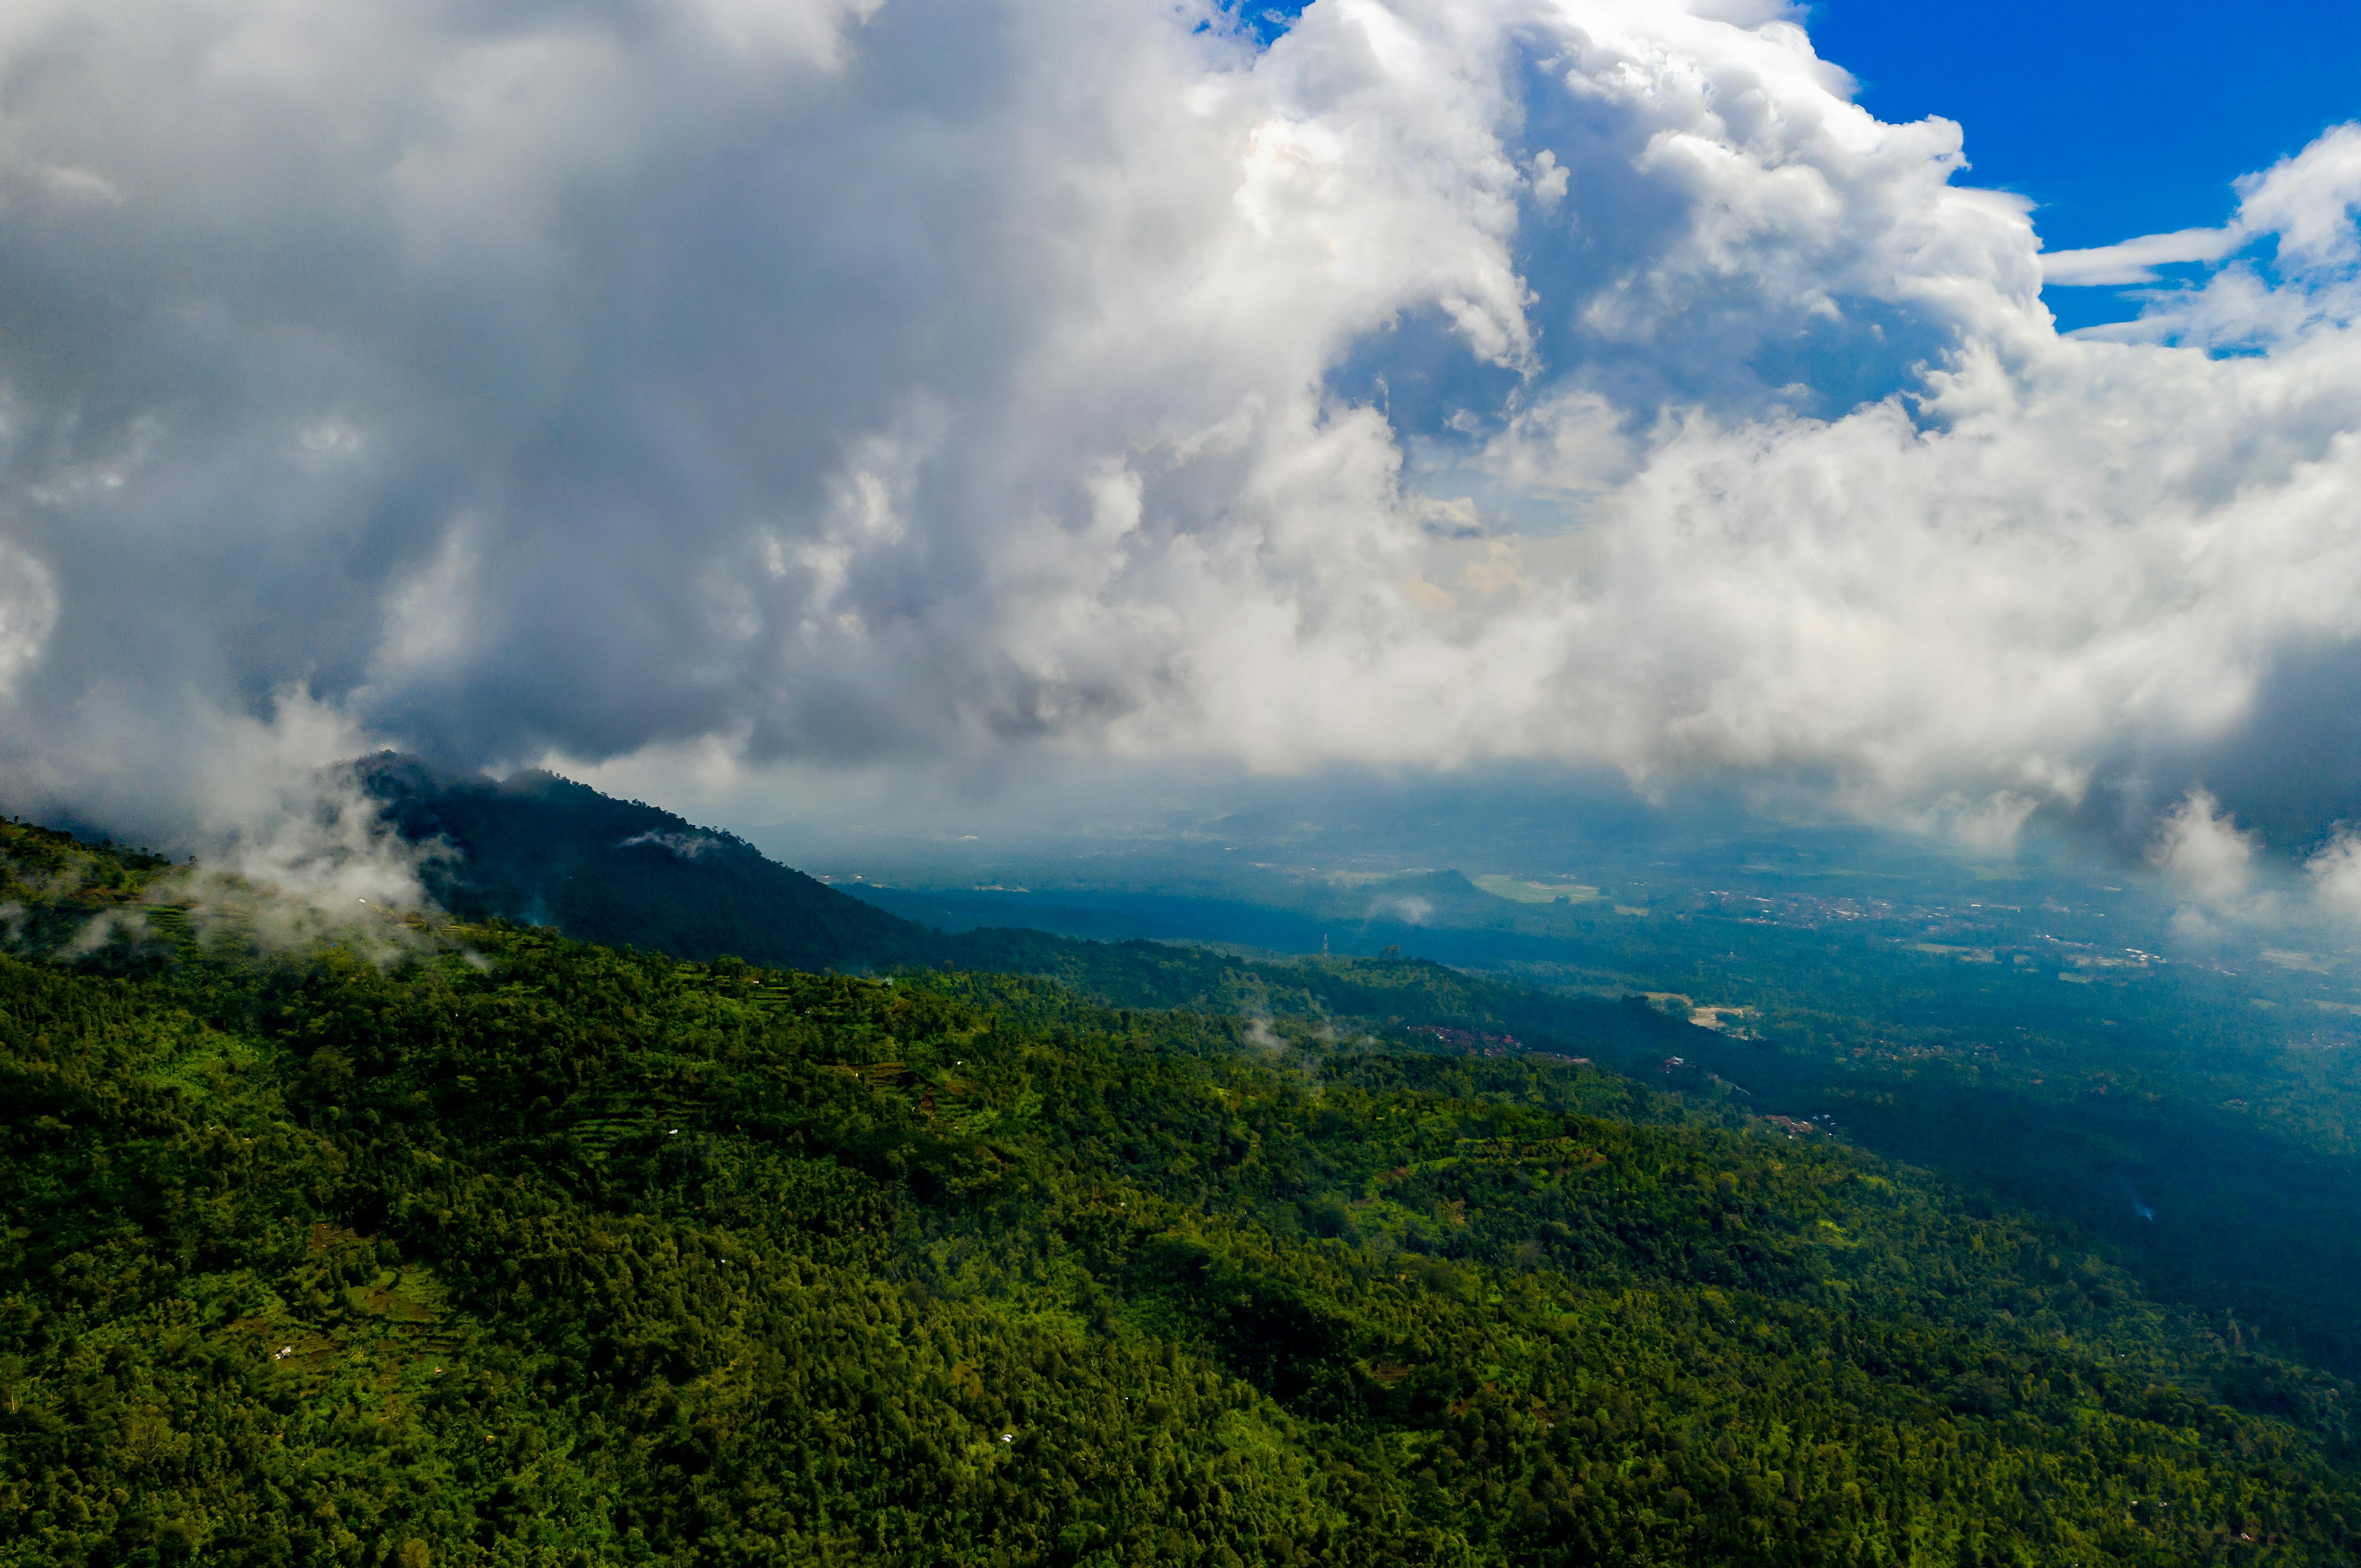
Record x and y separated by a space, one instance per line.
506 1249
2244 1220
545 850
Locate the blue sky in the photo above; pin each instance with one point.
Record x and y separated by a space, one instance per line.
2120 120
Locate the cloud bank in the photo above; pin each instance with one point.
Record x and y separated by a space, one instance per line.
803 382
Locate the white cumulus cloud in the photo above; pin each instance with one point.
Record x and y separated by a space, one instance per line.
1452 382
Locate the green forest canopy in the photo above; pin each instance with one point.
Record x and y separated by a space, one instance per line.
477 1245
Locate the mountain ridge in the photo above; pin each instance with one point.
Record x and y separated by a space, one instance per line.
541 850
546 850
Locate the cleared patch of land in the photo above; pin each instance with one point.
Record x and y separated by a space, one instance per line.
1520 892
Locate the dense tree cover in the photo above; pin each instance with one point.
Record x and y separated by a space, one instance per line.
2203 1114
2124 1107
53 887
1401 990
2215 1144
473 1244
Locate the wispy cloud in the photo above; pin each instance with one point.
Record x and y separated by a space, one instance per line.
683 846
2302 208
2136 260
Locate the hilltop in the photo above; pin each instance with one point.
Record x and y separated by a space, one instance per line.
545 850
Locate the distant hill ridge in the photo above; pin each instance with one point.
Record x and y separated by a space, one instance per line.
545 850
